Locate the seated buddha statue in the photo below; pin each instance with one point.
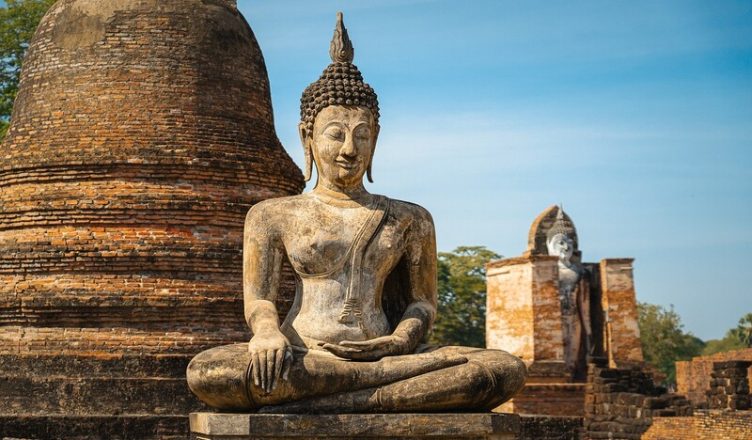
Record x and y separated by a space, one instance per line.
366 293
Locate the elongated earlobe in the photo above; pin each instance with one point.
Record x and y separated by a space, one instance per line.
307 154
369 173
308 164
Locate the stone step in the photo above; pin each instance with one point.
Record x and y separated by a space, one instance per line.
102 366
76 396
103 342
94 427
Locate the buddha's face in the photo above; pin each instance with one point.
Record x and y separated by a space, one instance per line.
561 246
342 142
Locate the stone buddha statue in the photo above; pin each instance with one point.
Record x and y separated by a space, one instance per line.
365 265
574 293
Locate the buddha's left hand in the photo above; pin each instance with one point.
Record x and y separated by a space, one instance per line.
371 350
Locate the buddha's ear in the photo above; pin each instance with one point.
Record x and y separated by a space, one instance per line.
369 173
305 139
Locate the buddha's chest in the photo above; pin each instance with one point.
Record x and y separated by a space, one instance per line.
331 239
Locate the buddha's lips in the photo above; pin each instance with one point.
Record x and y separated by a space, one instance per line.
347 165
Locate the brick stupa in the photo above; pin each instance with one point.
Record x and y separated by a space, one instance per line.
141 135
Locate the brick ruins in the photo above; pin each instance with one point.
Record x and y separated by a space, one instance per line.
693 377
618 399
622 403
729 387
524 316
141 135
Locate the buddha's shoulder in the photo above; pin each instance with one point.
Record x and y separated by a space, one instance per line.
270 210
409 211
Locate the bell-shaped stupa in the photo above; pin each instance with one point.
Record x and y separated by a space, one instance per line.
141 135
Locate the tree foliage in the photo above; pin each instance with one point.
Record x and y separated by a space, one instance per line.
663 339
18 21
743 331
735 339
461 316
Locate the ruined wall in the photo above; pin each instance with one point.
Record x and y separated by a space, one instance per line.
693 377
729 386
621 403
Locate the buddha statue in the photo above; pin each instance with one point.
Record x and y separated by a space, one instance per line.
365 264
574 294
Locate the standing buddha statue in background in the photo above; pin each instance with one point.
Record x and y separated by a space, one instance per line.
366 294
574 294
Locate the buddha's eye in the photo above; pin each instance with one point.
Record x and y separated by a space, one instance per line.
335 134
363 134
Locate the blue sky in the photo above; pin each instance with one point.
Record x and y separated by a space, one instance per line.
636 115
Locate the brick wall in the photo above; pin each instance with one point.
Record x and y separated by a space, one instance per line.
141 135
619 304
621 403
729 386
523 308
703 425
693 377
550 428
140 138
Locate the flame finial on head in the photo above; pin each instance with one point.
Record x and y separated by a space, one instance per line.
341 49
341 83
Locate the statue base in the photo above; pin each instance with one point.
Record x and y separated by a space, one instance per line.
476 426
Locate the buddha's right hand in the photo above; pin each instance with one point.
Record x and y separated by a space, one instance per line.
271 358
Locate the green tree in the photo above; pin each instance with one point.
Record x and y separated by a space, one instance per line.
735 339
663 339
728 343
743 331
18 21
461 316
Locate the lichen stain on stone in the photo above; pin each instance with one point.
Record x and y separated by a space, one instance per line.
84 22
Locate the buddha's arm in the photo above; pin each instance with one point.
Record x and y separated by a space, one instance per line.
421 255
262 266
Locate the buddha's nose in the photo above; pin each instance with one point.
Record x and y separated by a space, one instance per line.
348 147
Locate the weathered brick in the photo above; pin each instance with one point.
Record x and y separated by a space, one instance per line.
140 138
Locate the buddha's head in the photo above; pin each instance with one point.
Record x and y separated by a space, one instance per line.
560 239
339 118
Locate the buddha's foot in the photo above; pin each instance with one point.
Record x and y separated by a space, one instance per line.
485 379
382 373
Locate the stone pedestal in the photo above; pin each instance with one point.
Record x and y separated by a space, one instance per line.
217 426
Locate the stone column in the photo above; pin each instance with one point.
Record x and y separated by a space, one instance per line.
523 313
622 333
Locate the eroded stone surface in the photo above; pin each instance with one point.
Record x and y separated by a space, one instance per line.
354 426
